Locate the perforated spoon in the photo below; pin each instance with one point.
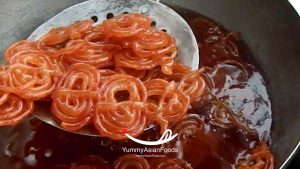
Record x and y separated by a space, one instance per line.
164 18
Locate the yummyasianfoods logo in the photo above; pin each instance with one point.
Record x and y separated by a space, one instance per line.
166 137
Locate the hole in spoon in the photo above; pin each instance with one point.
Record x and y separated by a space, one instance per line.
94 18
125 12
164 30
153 24
109 15
144 9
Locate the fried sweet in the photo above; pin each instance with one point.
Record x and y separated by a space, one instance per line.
74 98
13 109
112 116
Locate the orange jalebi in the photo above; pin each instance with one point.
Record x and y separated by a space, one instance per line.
128 58
152 43
32 74
20 46
116 83
112 116
59 35
38 59
126 25
193 84
131 161
99 40
28 52
13 109
189 126
171 103
81 51
222 116
30 82
155 89
114 119
74 97
53 37
178 72
78 30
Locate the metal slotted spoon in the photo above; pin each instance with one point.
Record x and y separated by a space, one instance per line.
164 18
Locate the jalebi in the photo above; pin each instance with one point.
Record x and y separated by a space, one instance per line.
75 95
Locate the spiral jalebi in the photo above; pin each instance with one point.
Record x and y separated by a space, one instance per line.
81 51
155 89
32 74
171 103
38 59
112 116
75 95
128 58
193 84
223 117
178 72
99 38
59 35
113 119
30 82
126 25
116 83
20 46
188 126
13 109
152 43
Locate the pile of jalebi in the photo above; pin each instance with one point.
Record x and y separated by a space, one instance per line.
118 75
